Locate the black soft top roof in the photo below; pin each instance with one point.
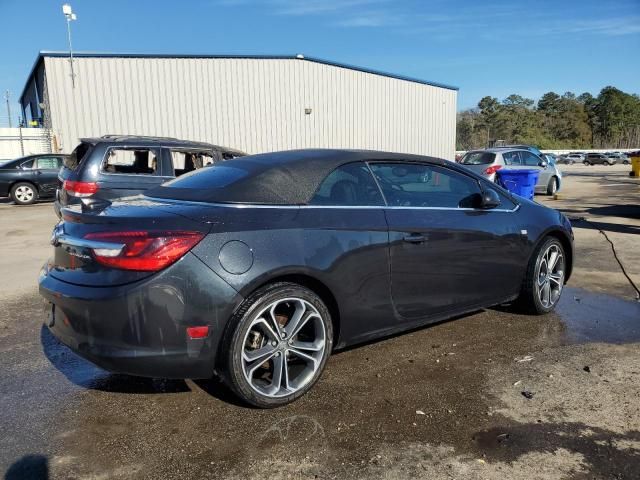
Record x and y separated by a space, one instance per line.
280 178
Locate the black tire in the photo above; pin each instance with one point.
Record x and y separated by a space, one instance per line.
529 300
552 188
20 193
586 164
606 163
237 336
625 162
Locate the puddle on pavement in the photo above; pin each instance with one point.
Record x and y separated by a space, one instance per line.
595 317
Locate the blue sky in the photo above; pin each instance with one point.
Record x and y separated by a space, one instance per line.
496 47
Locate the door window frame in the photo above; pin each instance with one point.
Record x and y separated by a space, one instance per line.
479 182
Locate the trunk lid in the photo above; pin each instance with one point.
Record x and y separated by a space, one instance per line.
86 229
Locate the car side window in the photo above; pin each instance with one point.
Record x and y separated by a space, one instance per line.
530 160
422 185
511 158
132 161
184 161
28 165
349 185
48 163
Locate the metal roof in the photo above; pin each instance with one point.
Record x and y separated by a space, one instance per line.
47 53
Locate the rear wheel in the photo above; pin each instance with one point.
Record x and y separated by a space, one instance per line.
24 193
625 162
544 279
606 163
552 188
282 337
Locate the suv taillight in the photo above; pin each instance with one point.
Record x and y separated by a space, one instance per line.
492 170
80 189
147 251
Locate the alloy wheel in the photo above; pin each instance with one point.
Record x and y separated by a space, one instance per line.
550 278
24 194
283 347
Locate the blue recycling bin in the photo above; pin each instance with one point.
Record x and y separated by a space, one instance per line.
521 181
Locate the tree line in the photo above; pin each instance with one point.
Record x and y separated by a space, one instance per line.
610 120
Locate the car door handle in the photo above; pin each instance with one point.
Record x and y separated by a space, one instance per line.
414 238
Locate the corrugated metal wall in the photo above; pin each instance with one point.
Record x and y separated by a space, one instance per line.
256 105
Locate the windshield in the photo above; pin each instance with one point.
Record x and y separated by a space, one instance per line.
478 158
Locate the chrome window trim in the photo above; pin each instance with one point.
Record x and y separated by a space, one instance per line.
342 207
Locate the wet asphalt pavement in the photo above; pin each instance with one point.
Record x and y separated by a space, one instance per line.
444 401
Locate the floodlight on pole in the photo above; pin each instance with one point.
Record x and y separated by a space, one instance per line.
70 16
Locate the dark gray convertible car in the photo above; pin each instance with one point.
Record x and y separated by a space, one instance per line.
255 268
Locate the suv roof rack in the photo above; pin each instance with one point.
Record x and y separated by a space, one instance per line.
112 135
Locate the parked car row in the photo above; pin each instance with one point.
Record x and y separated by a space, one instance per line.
594 158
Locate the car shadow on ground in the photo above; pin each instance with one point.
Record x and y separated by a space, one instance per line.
605 453
84 374
29 467
578 220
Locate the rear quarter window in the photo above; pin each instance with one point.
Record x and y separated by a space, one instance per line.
478 158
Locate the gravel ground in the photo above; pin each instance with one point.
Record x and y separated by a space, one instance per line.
440 402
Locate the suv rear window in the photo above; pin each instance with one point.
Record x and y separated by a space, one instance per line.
72 161
478 158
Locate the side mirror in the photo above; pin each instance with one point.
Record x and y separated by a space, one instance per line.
489 199
543 163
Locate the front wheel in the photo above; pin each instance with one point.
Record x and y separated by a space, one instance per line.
586 164
552 188
24 193
544 279
280 344
606 163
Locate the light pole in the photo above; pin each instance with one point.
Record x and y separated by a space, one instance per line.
70 16
6 97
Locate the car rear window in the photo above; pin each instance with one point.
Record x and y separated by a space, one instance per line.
478 158
216 176
79 153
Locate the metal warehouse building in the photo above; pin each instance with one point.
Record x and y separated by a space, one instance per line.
253 103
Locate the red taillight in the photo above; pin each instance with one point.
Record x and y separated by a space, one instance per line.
492 170
80 189
197 332
146 251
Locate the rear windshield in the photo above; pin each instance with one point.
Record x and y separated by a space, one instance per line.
72 161
478 158
217 176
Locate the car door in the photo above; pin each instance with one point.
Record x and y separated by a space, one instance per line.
446 255
532 161
46 174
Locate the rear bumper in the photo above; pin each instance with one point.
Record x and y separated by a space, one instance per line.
140 328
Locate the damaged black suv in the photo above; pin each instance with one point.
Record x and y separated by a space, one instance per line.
115 166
